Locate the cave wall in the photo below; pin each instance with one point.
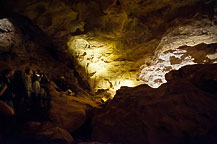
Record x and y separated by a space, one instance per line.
113 43
181 111
109 42
23 44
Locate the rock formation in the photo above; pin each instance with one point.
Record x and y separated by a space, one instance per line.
100 46
46 133
110 42
181 111
68 112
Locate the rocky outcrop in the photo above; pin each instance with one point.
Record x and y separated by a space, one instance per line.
185 45
68 112
35 132
5 110
183 110
154 74
110 42
23 44
103 45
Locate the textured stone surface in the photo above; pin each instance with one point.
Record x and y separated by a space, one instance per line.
102 67
154 74
7 34
170 55
107 44
23 44
135 32
68 112
37 132
5 110
181 111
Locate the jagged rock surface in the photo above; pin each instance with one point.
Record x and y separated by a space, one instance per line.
36 132
183 110
23 44
154 74
120 36
68 112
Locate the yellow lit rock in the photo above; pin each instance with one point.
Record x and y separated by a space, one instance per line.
97 58
116 42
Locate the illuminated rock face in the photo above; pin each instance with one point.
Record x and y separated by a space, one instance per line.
170 54
113 43
154 75
181 111
102 69
7 34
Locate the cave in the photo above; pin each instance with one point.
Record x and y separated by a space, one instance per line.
108 72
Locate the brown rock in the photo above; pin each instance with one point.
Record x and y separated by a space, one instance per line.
5 109
181 111
46 133
119 37
65 112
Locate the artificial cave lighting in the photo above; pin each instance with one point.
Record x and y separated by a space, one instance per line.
117 85
80 44
101 70
154 75
91 56
128 83
169 55
104 99
99 66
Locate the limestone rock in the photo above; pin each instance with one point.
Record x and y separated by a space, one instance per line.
101 67
154 74
46 133
22 44
5 110
64 112
183 110
118 38
70 119
7 34
68 112
184 46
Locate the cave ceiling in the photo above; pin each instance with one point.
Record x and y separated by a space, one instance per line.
115 43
